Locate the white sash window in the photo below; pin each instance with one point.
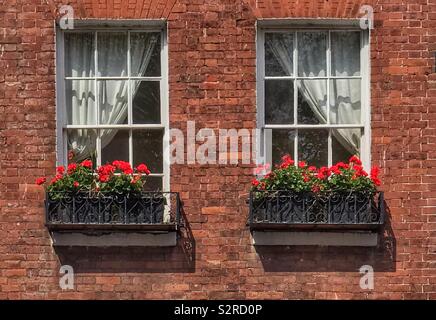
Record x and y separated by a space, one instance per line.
112 98
313 94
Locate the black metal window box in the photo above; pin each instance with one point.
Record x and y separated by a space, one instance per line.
109 214
284 210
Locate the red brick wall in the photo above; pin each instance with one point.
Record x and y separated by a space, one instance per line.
212 81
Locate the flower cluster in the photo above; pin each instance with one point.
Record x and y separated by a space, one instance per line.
299 177
117 177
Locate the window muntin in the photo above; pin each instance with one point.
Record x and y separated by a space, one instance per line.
313 95
112 102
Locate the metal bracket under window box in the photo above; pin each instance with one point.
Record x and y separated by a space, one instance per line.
84 219
289 218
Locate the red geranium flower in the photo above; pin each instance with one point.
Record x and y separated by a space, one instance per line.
269 175
255 182
375 172
40 181
286 161
335 169
103 178
123 166
56 178
376 181
142 168
106 169
359 171
355 160
72 167
342 165
302 164
76 184
323 173
128 171
60 170
86 164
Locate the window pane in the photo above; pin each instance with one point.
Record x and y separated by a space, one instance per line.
146 101
147 148
345 52
112 54
145 54
80 102
279 101
112 95
153 184
345 143
312 51
279 50
114 145
79 54
81 145
345 101
282 144
312 101
313 147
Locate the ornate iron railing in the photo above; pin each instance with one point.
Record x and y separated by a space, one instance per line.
85 210
286 209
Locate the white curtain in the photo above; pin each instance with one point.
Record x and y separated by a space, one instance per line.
112 94
80 94
344 93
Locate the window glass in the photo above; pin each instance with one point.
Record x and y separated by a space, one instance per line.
112 54
81 145
345 52
279 48
147 148
325 95
112 100
114 145
279 101
282 143
312 54
146 101
111 106
80 105
312 101
345 101
79 54
145 62
313 146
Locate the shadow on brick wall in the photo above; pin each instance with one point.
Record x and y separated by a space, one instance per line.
178 259
332 259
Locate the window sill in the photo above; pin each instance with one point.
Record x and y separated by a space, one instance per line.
116 236
315 238
151 219
291 219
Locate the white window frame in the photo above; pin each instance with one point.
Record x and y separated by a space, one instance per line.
329 26
61 117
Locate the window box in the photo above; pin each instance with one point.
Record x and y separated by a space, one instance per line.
289 218
82 219
288 210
